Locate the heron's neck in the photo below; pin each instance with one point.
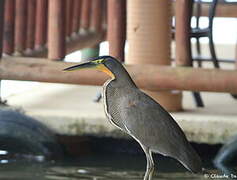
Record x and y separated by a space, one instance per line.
122 78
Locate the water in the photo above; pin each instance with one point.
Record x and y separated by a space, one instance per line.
100 167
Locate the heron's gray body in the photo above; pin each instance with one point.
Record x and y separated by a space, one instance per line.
146 121
141 117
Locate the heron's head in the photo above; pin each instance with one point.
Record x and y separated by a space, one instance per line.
106 64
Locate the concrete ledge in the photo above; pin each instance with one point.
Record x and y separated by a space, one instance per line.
69 110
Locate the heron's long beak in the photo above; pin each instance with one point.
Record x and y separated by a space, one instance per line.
86 65
96 64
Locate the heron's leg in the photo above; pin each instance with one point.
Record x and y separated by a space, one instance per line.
150 164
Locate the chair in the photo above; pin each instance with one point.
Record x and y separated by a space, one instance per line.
198 32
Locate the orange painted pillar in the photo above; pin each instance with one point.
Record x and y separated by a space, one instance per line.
149 40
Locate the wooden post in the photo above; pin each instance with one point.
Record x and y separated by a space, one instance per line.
30 34
182 28
20 26
149 39
1 35
56 30
116 28
41 24
1 25
236 55
96 15
69 13
9 20
85 16
104 14
76 17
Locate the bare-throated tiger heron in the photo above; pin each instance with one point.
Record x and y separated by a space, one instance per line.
138 115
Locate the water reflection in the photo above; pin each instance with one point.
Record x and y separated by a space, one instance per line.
52 171
97 168
85 173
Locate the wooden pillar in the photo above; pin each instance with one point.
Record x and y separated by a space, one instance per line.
149 39
85 16
56 30
30 34
116 28
182 28
1 35
9 20
1 25
105 12
76 17
41 24
96 15
69 13
20 26
236 55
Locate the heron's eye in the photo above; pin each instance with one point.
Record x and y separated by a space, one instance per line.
99 61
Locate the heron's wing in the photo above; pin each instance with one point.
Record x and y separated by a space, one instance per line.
154 127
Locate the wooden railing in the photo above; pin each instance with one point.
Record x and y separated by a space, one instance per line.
32 32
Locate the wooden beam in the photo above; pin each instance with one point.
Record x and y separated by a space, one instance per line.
154 77
222 10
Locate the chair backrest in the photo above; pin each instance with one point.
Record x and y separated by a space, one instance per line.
211 11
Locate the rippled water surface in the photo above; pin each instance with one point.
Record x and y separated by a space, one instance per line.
99 168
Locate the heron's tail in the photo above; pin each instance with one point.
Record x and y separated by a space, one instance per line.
191 160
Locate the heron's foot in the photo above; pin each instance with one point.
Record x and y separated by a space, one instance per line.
149 173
